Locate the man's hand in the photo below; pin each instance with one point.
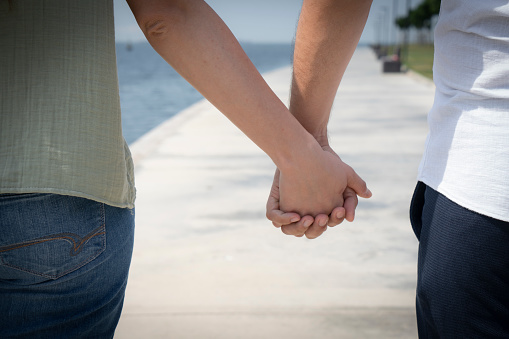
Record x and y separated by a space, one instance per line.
327 35
349 195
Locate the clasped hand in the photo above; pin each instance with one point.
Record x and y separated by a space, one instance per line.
321 192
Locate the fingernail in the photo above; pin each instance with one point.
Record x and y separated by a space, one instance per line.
307 223
339 215
323 222
294 219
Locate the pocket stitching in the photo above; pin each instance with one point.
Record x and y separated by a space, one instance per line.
84 240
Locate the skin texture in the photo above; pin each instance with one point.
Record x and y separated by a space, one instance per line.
190 36
327 35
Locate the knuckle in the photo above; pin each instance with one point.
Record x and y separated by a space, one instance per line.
268 215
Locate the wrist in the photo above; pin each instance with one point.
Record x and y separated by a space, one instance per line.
298 153
315 125
322 138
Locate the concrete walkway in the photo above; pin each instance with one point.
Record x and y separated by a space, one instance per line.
207 264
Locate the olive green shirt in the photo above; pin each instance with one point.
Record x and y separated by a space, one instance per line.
60 124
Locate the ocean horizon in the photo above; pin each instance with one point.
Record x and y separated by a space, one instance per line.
151 91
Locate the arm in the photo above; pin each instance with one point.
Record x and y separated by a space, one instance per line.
327 35
194 40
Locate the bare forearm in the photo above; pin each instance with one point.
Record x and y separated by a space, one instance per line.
327 35
196 42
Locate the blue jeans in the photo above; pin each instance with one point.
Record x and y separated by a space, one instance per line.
462 270
64 263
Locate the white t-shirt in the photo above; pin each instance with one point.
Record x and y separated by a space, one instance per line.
467 149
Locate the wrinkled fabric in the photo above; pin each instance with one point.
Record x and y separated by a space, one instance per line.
60 121
466 156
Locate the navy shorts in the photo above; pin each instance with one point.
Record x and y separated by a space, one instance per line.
463 269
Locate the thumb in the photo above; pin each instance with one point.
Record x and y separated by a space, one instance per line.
358 185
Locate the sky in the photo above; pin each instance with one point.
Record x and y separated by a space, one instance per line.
271 21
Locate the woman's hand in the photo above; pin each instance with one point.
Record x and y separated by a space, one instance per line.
308 222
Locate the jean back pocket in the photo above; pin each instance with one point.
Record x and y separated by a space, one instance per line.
50 235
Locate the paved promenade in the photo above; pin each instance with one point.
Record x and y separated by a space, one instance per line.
207 264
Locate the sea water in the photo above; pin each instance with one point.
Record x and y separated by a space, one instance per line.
152 92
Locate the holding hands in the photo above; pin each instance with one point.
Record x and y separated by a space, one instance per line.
323 189
314 185
304 204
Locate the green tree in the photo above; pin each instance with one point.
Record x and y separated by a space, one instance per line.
403 22
420 17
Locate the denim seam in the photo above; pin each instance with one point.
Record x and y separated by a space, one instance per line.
83 242
75 250
126 203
